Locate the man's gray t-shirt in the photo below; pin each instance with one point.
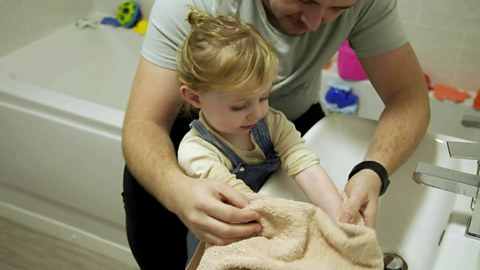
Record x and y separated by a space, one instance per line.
373 27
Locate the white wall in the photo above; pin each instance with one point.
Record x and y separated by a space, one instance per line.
25 21
110 6
445 34
446 37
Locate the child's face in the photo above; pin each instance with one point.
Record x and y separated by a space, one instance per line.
234 114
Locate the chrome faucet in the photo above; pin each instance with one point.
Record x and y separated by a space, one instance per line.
471 121
455 181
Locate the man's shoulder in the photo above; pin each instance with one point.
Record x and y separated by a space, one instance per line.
371 9
366 9
221 7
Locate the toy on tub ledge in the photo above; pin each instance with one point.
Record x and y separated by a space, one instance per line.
340 99
443 92
476 101
129 16
141 27
110 21
429 84
85 23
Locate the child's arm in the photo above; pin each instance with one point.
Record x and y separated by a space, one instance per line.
302 164
320 190
200 159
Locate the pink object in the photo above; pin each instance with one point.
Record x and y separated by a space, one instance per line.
349 67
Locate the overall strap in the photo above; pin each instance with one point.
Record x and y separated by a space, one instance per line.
206 135
262 137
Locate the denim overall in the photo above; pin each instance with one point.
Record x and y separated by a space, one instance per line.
254 175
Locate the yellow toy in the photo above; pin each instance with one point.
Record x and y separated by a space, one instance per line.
141 27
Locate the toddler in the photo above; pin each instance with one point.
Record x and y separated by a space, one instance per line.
226 71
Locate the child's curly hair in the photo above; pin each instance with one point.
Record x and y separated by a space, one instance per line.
223 54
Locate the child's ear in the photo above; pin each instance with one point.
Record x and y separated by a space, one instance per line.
191 96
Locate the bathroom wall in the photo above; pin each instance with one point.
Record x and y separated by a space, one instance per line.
25 21
446 37
110 6
445 34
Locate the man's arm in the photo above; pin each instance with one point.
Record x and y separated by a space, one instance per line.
148 120
400 83
150 156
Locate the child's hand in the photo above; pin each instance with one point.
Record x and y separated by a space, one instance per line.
212 210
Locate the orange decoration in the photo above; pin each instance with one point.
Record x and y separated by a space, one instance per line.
443 92
476 101
328 64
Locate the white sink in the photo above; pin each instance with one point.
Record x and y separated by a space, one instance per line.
411 217
458 251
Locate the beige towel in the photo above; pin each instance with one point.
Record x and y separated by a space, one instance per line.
295 235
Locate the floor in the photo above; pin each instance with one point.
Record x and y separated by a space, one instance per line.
22 248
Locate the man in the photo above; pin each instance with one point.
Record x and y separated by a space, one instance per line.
159 198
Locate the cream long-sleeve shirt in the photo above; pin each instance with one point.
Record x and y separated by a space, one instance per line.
201 159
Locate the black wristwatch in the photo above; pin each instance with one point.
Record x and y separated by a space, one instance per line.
376 167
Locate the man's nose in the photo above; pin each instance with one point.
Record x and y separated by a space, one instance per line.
312 17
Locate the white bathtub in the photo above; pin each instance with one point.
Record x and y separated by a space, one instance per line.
62 103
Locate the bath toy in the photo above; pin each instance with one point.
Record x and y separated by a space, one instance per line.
349 67
86 23
141 27
340 94
427 78
110 21
340 99
476 101
331 108
128 14
443 92
328 64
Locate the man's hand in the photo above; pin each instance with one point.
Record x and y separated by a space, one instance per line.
363 191
212 210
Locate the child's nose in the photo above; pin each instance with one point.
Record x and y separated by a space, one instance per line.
255 114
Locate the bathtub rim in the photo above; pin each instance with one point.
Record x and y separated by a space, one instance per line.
37 100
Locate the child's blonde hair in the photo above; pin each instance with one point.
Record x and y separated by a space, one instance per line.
223 54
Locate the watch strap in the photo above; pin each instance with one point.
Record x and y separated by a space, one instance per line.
376 167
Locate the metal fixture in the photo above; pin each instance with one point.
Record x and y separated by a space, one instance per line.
455 181
394 262
471 121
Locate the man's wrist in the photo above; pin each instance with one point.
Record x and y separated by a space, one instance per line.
373 179
168 193
375 167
